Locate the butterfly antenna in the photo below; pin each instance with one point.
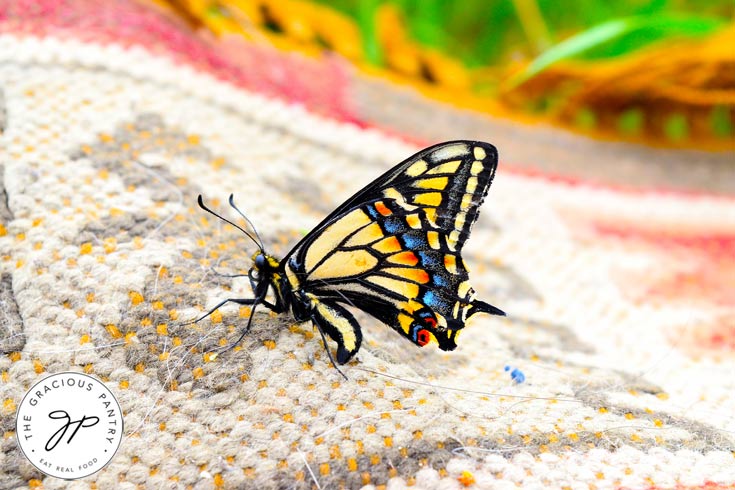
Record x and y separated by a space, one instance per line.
232 203
201 205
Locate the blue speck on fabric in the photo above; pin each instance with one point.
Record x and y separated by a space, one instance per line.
516 374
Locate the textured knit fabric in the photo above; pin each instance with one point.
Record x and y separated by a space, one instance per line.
621 306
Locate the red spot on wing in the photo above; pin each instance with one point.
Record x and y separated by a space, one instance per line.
423 337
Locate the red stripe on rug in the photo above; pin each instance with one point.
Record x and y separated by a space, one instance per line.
318 84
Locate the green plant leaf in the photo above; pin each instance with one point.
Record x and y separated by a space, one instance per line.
631 121
676 127
630 34
721 122
425 22
366 18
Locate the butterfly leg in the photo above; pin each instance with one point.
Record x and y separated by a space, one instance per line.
341 326
329 353
226 275
239 301
242 301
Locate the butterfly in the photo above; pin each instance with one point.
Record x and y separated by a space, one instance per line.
393 250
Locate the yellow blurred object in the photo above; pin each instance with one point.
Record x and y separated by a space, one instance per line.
287 24
687 80
667 94
407 57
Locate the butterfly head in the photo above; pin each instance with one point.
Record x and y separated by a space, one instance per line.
263 269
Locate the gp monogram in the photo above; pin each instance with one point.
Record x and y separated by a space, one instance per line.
69 425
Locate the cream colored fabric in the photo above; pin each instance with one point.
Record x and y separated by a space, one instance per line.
105 255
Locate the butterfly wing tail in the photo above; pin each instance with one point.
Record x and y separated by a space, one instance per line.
480 306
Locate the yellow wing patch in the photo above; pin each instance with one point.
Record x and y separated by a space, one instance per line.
428 199
414 221
367 235
417 168
406 289
405 322
408 273
404 258
333 235
471 185
445 168
388 245
433 239
435 183
467 200
345 264
450 263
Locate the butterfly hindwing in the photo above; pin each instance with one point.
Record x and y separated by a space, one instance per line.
341 326
394 249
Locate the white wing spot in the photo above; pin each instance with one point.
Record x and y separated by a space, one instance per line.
449 152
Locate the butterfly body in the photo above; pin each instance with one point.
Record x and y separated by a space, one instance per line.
393 250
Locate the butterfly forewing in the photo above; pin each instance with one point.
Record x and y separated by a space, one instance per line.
393 249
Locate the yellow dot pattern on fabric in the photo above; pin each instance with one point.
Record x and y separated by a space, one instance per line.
109 261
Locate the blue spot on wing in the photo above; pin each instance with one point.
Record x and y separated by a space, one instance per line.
435 301
430 298
429 260
372 212
439 280
414 242
393 225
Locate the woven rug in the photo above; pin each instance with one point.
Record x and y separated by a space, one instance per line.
114 117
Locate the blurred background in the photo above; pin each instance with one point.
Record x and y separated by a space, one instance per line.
118 113
660 72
